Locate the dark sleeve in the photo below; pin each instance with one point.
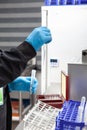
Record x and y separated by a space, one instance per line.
14 61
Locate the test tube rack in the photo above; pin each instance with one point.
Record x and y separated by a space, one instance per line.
41 117
64 2
51 2
66 119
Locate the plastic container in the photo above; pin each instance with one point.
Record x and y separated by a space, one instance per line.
67 118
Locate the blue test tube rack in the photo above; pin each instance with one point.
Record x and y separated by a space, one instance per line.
51 2
67 118
64 2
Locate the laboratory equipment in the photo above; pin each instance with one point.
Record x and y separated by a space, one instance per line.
51 2
71 117
83 101
32 95
81 109
41 117
79 114
68 25
77 80
64 2
85 114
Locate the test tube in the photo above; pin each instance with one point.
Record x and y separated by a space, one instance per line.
80 109
32 95
83 101
85 117
79 115
85 114
32 79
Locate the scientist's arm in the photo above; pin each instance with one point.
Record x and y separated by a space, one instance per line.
13 62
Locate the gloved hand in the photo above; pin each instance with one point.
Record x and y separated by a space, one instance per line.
38 37
23 84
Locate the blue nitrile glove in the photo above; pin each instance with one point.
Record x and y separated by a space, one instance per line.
38 37
23 84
